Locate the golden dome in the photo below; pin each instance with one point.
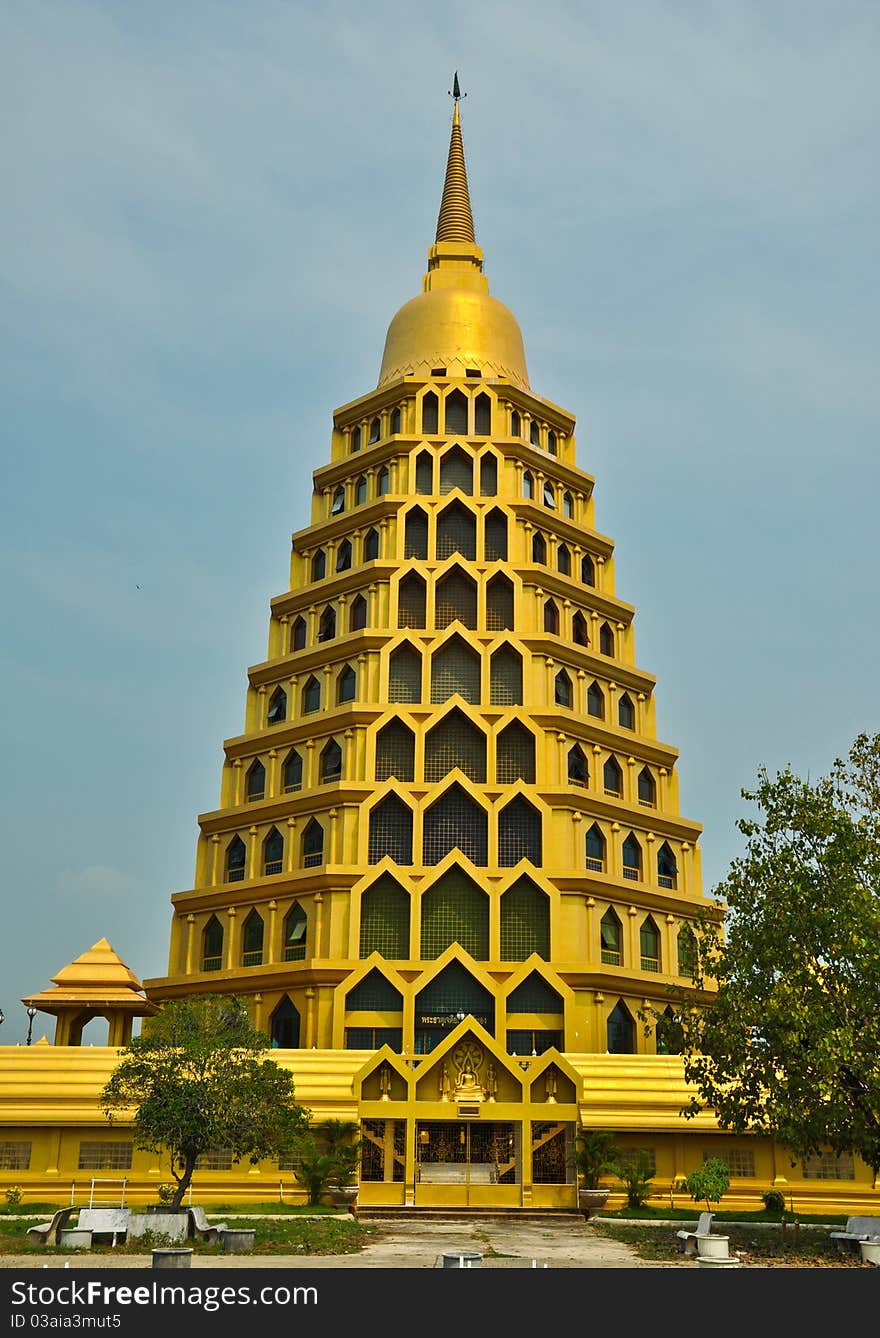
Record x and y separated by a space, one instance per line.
454 323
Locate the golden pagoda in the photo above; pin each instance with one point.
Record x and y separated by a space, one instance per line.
448 870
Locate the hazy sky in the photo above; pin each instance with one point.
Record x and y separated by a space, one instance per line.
210 213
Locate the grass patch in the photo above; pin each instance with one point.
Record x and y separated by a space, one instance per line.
691 1215
15 1210
763 1249
288 1209
288 1236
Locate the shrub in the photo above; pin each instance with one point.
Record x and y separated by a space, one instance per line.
773 1200
710 1181
166 1193
13 1196
593 1155
636 1173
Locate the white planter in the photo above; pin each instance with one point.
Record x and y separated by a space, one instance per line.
729 1261
870 1251
713 1247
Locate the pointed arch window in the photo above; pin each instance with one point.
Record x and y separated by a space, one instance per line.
525 928
687 951
395 753
621 1030
550 496
579 632
430 412
455 742
319 565
455 910
453 992
568 506
391 831
563 560
360 491
606 639
588 570
578 768
562 689
415 535
539 548
667 870
455 415
337 506
355 439
374 994
455 668
295 925
327 624
488 476
252 940
292 774
626 712
343 555
612 778
383 481
311 698
506 678
551 442
371 545
456 600
596 701
212 945
611 939
515 755
357 618
346 686
456 533
515 424
534 433
331 763
456 822
236 860
424 473
457 471
313 844
595 850
385 917
277 707
375 432
395 422
551 618
411 601
405 675
298 635
528 486
285 1026
499 604
495 537
647 788
255 786
649 945
632 859
483 416
519 834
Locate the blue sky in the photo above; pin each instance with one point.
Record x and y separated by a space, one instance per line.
211 212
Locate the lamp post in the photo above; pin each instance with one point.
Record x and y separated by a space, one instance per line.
32 1013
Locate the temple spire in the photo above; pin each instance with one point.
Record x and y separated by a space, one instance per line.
455 222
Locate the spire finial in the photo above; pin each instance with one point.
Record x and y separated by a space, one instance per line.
455 222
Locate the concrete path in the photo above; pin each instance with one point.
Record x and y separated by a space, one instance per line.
414 1242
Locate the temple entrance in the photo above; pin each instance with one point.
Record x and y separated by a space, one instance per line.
465 1158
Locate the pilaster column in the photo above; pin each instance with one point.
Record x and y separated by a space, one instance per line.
231 938
252 853
272 776
215 858
290 846
236 779
270 944
190 944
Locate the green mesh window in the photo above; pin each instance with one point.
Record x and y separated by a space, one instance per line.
515 755
374 994
236 860
579 632
395 422
667 872
506 678
539 548
252 940
483 418
647 788
298 635
610 937
578 770
588 571
292 775
295 923
551 618
457 471
534 995
455 910
612 777
595 850
430 417
456 413
454 991
15 1156
212 945
621 1031
562 691
456 822
525 924
373 1038
273 852
395 752
489 476
331 763
596 701
357 618
455 742
411 602
455 668
456 533
277 707
532 1042
385 920
519 833
415 542
563 560
499 605
632 859
626 714
256 782
606 639
391 826
495 536
649 945
405 676
313 844
371 545
456 599
424 473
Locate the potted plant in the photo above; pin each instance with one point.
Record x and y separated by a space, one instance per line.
593 1157
344 1149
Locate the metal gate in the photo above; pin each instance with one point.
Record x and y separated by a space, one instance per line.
464 1154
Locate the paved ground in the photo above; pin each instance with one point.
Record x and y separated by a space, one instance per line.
413 1242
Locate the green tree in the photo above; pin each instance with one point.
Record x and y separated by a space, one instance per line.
709 1182
199 1079
781 1035
636 1171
